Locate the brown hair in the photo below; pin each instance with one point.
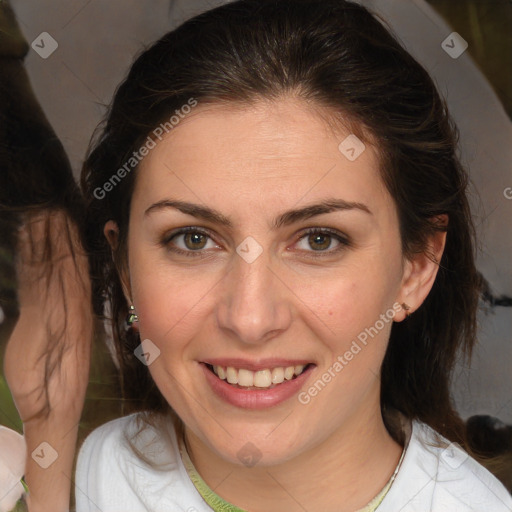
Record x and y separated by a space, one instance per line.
38 195
332 53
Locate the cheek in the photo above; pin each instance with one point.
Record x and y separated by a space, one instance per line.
350 304
168 311
357 316
351 298
169 304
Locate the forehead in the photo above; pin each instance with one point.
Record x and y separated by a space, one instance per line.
282 150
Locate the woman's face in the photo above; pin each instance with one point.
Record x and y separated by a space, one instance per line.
249 289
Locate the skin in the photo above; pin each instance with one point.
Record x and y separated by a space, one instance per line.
252 164
53 308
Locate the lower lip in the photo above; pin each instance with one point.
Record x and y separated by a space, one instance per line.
255 398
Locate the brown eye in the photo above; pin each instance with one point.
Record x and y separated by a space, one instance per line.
319 241
322 242
195 241
189 242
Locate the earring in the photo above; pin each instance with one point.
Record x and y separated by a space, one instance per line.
406 308
132 316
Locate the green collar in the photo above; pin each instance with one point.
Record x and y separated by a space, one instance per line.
214 501
217 504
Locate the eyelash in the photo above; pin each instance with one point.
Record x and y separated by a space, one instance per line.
343 240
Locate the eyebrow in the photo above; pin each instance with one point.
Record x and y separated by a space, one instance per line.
285 219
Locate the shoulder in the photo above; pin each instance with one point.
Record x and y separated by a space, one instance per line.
439 476
105 466
124 438
109 444
129 464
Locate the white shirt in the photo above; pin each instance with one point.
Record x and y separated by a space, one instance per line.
110 477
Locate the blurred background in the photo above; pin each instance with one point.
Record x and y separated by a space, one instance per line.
97 41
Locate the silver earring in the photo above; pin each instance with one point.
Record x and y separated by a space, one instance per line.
132 316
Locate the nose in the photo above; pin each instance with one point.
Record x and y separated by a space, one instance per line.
254 305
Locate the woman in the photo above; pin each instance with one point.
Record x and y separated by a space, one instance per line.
275 206
44 275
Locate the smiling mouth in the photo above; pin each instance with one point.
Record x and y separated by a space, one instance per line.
263 379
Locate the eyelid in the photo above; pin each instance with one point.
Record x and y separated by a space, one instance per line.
343 240
184 230
165 241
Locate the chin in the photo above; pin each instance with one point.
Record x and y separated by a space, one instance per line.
258 450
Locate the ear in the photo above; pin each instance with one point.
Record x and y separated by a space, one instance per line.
420 272
111 232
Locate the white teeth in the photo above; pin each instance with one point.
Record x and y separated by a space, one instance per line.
289 372
232 375
260 379
298 369
277 375
245 377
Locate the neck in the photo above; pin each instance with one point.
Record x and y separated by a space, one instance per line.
342 473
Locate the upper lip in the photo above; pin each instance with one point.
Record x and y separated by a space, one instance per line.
255 365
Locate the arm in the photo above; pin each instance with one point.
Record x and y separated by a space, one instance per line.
47 357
